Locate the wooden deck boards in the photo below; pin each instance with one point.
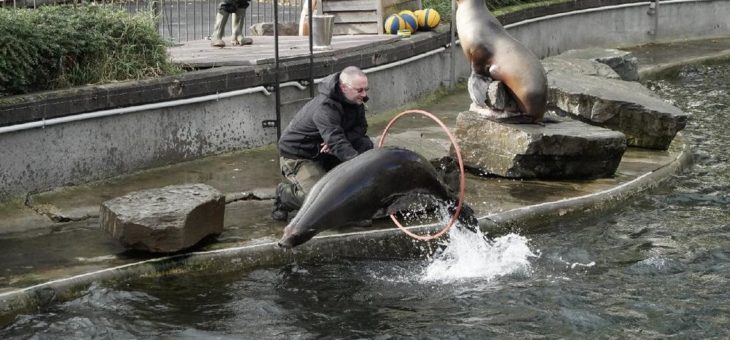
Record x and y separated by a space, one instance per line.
199 53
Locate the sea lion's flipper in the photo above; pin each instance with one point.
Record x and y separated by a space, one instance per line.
466 217
478 86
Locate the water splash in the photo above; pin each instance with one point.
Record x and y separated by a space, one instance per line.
470 255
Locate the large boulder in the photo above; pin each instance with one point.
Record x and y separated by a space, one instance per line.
646 119
562 149
166 219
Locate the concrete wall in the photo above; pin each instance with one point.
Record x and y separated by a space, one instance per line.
623 25
40 159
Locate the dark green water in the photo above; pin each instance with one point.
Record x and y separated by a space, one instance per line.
657 267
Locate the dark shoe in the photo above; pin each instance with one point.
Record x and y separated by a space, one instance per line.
280 213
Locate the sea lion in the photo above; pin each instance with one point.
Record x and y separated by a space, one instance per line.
377 183
494 54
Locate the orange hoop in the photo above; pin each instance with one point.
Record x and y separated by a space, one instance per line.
457 150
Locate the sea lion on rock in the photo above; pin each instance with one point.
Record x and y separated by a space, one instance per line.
494 54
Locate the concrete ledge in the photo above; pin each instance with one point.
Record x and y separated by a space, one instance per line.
535 216
659 70
354 244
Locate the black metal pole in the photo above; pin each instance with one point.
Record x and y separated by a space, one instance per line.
276 70
311 51
452 29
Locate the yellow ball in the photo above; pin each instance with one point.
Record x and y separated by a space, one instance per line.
393 24
418 13
410 20
405 11
427 18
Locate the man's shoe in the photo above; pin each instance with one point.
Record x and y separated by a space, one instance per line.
279 213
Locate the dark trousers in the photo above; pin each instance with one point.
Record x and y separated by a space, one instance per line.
302 175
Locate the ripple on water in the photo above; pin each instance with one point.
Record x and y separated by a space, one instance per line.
655 266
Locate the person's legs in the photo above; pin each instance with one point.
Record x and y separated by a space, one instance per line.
302 175
221 17
237 36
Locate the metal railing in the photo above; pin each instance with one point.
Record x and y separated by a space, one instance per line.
185 20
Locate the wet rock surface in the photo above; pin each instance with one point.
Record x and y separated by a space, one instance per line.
580 66
164 220
622 62
647 120
560 149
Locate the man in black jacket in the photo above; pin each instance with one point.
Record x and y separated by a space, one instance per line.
330 129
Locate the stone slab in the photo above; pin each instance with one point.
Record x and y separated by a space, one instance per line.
559 150
623 62
581 66
646 119
166 219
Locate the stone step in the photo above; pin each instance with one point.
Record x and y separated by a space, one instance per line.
561 149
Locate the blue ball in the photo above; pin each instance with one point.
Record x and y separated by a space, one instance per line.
410 19
393 24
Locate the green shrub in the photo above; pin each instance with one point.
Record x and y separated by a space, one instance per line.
61 46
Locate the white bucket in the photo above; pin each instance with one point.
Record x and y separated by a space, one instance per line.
322 31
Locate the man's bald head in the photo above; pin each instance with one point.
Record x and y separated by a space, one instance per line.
354 85
350 73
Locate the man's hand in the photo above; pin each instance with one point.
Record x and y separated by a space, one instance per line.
325 148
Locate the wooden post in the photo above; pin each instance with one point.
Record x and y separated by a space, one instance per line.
379 14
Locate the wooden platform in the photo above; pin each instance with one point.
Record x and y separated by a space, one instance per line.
199 53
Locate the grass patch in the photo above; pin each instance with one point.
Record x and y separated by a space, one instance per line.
63 46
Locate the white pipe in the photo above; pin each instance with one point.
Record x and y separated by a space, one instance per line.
373 69
98 114
295 84
587 10
404 61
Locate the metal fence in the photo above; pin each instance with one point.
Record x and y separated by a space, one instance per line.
185 20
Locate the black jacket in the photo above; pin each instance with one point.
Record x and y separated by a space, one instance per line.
328 118
231 6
